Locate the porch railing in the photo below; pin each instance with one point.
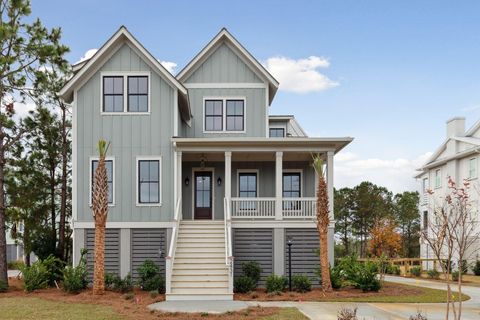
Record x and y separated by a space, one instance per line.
228 243
173 245
253 208
264 208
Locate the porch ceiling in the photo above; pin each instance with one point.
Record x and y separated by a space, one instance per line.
246 156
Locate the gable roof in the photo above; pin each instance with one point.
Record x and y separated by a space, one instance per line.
84 69
222 36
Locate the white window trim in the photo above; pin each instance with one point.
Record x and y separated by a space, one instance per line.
224 115
90 178
137 195
301 179
438 183
476 168
277 127
256 171
125 75
198 169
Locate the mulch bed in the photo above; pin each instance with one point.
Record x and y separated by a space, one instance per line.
135 308
388 289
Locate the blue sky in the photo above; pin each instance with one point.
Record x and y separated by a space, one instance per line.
401 68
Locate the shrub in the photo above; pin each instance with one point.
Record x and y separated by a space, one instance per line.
55 269
433 274
252 270
15 265
36 276
476 268
3 286
276 284
150 279
244 284
75 278
393 269
336 277
115 283
455 275
365 277
301 283
157 282
110 280
416 271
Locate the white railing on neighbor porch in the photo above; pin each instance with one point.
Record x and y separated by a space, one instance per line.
228 242
253 208
264 208
299 208
173 245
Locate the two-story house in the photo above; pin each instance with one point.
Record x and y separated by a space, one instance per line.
457 157
201 177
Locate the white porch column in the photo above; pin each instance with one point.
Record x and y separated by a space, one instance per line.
278 184
331 228
228 175
178 179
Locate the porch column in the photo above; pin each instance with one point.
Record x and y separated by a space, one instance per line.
331 228
178 179
278 184
228 175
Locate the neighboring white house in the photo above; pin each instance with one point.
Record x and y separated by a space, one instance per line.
457 157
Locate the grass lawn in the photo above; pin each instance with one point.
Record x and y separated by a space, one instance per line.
287 314
467 279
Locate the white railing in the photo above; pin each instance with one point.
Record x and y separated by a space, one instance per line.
228 243
173 245
299 208
253 208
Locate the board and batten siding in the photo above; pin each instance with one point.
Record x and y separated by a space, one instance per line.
305 259
223 65
130 135
148 244
112 251
253 245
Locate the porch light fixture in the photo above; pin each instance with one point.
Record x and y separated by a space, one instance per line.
187 181
202 161
219 181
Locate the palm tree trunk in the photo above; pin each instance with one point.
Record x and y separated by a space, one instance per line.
99 254
324 265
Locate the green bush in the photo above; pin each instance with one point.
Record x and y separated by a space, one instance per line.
36 276
150 277
476 268
393 269
366 277
455 275
157 282
433 274
110 280
301 283
55 268
115 283
276 284
336 277
244 284
252 270
15 264
416 271
3 286
75 278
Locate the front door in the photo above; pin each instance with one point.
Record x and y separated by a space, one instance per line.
203 195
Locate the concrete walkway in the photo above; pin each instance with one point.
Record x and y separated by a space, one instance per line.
329 310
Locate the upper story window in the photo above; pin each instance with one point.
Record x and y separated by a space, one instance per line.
148 179
438 178
276 132
224 115
425 185
109 165
472 168
125 93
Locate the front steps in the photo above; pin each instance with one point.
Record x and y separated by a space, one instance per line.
199 271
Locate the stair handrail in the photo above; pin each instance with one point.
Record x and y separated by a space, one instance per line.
228 242
173 242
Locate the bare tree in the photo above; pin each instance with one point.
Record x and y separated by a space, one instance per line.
450 234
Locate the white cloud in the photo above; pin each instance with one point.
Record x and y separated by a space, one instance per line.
394 174
170 66
300 76
87 55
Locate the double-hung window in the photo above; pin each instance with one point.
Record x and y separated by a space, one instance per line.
138 94
113 94
438 178
472 168
277 132
148 181
224 115
109 165
125 93
247 188
291 189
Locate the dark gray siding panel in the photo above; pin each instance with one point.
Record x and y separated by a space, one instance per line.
305 259
253 245
148 244
112 251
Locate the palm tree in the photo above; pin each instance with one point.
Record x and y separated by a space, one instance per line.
100 212
323 221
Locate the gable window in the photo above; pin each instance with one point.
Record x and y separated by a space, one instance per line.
276 132
438 178
112 94
148 179
235 115
110 172
137 94
224 115
472 168
213 115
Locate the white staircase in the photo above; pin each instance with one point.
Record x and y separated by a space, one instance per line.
199 271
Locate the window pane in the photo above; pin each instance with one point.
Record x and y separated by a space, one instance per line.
218 108
143 103
154 171
107 85
143 85
133 103
132 85
239 123
144 192
144 171
208 108
209 123
118 103
118 85
217 124
109 167
154 192
110 192
199 199
230 123
108 104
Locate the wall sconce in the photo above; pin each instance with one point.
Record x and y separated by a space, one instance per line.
187 181
219 181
